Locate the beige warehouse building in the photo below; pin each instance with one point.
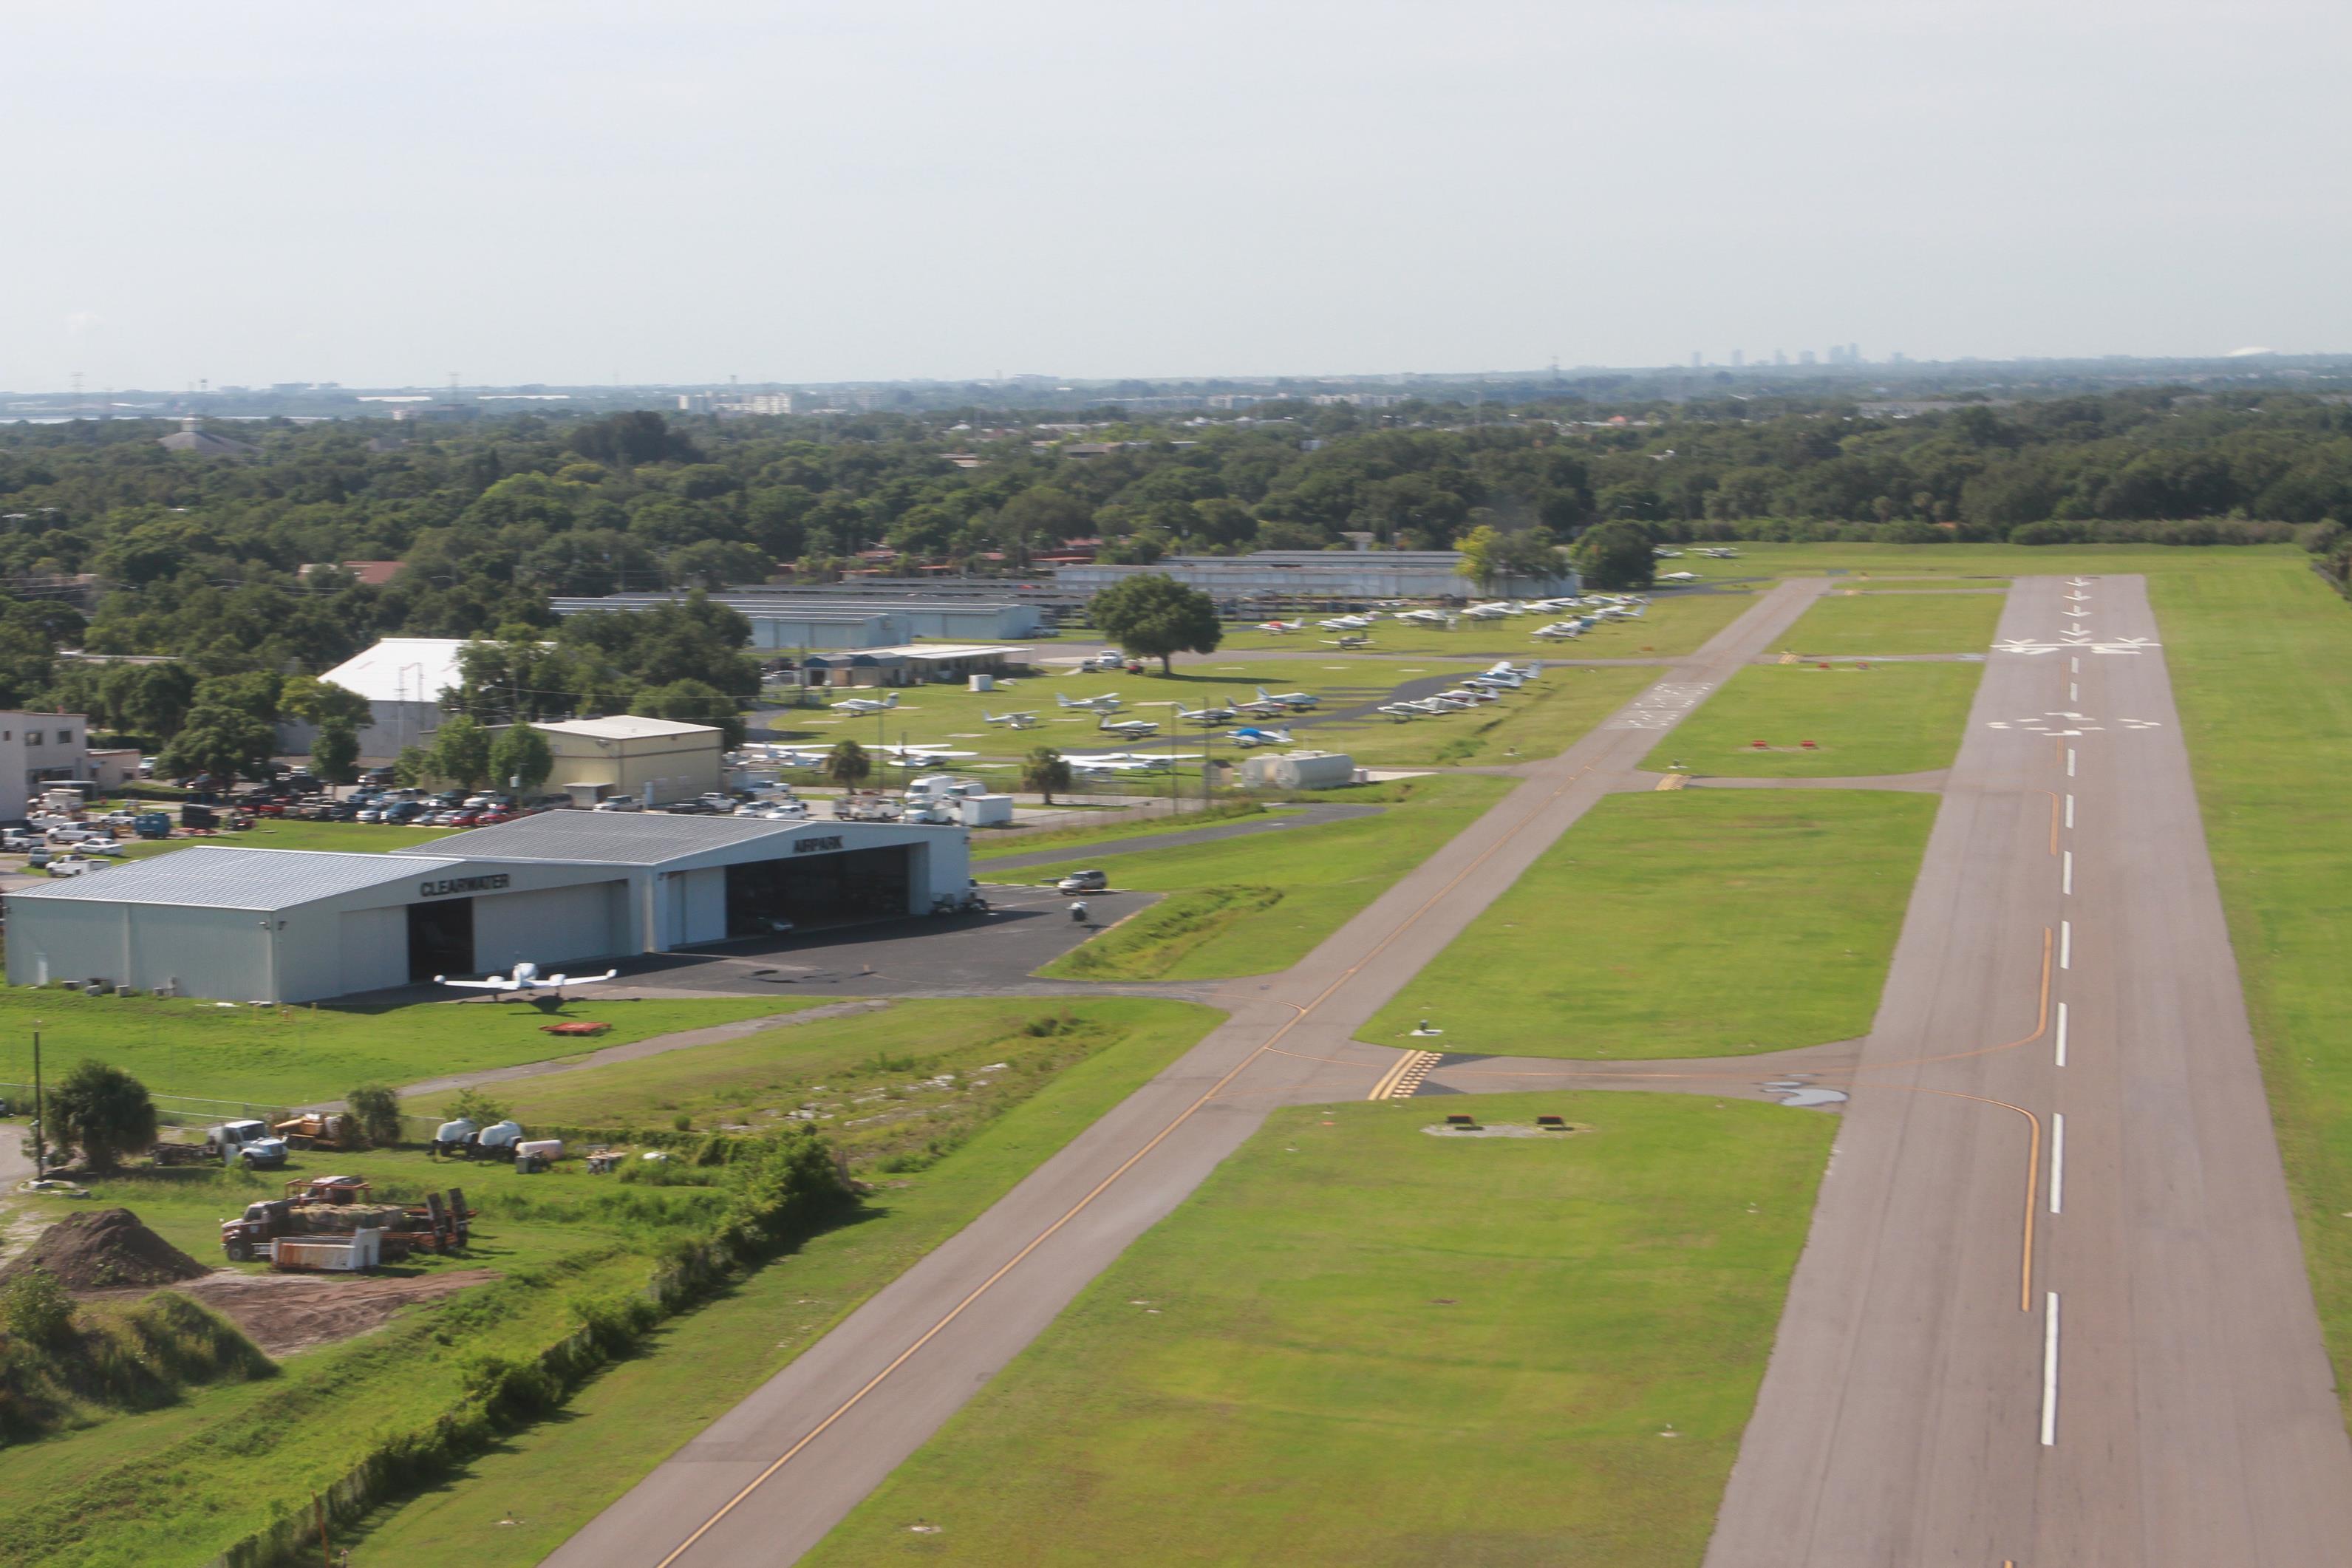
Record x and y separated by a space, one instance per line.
655 759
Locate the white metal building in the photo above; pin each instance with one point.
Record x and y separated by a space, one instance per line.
36 751
562 888
402 678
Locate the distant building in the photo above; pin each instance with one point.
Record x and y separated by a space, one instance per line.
1352 575
784 619
370 573
403 680
38 749
204 443
657 761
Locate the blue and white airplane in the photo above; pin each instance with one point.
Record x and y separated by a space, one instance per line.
1247 735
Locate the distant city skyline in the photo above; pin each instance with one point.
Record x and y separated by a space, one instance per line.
598 191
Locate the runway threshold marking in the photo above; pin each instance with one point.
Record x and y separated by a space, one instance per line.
1300 1016
1413 1065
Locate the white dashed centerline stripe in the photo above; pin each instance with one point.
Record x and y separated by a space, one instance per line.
2057 1163
2066 945
2075 665
2049 1373
2070 814
2074 692
2062 1034
2070 762
2066 874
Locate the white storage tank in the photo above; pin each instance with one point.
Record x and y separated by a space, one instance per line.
983 683
1299 770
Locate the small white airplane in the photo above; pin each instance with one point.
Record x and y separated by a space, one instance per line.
1679 577
1133 728
1406 710
1663 552
1575 627
1248 735
1101 702
1427 618
1467 694
525 980
1721 553
866 705
1219 715
1517 671
1012 720
1494 611
1289 699
1347 642
789 756
898 754
1345 623
1281 628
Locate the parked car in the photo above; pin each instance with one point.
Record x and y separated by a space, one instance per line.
72 866
20 843
1084 882
466 819
120 818
620 802
370 813
492 818
400 812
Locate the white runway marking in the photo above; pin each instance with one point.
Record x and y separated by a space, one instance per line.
2050 1374
2070 814
2070 762
2057 1163
2066 874
2074 664
2066 945
2072 693
2062 1034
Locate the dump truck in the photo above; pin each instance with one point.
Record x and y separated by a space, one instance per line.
330 1207
249 1142
331 1129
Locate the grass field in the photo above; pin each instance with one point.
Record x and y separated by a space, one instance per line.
2262 665
347 837
1878 623
1884 718
1323 876
290 1055
1540 719
513 1506
1998 561
900 1085
1695 922
1674 623
994 846
1360 1344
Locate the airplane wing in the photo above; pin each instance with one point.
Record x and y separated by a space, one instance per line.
491 985
558 981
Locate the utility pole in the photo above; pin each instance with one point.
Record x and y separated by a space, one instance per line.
40 1115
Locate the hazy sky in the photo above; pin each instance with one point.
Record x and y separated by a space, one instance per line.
384 194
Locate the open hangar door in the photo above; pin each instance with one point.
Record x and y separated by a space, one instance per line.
819 890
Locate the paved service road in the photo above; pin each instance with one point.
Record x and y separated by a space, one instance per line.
764 1482
2138 1380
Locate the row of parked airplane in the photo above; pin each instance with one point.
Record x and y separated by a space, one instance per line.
1487 687
1712 552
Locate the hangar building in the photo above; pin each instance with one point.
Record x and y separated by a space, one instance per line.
561 887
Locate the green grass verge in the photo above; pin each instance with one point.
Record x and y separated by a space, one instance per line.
2261 667
554 1478
1674 623
1692 922
1961 561
1875 624
1882 719
342 837
1325 874
987 847
1359 1344
290 1055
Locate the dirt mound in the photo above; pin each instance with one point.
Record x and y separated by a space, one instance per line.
105 1250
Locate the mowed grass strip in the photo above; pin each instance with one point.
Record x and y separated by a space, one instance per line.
1879 623
511 1508
1692 922
1676 623
1324 876
2262 673
294 1055
268 833
987 847
1358 1343
1884 718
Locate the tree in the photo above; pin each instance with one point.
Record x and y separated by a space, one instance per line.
317 701
521 758
473 1105
847 764
228 743
335 752
695 703
104 1111
376 1107
1046 770
1153 617
412 767
1480 549
158 699
461 751
1614 557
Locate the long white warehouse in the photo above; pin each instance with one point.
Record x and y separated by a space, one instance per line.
562 887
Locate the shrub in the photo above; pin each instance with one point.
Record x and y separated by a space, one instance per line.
376 1107
103 1111
39 1310
473 1105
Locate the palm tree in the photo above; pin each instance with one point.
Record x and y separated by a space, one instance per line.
847 764
1046 770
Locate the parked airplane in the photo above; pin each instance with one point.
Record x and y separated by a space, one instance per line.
1679 577
1347 642
1664 554
860 705
1224 714
525 980
1721 553
1427 618
1289 699
1345 623
1248 735
1012 720
1522 671
789 756
1101 702
1281 628
921 754
1133 728
1494 611
1575 627
1467 693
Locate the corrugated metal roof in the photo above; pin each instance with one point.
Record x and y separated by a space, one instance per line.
401 670
608 837
624 727
217 877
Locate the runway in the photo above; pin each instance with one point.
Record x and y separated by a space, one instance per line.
2052 1309
764 1482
